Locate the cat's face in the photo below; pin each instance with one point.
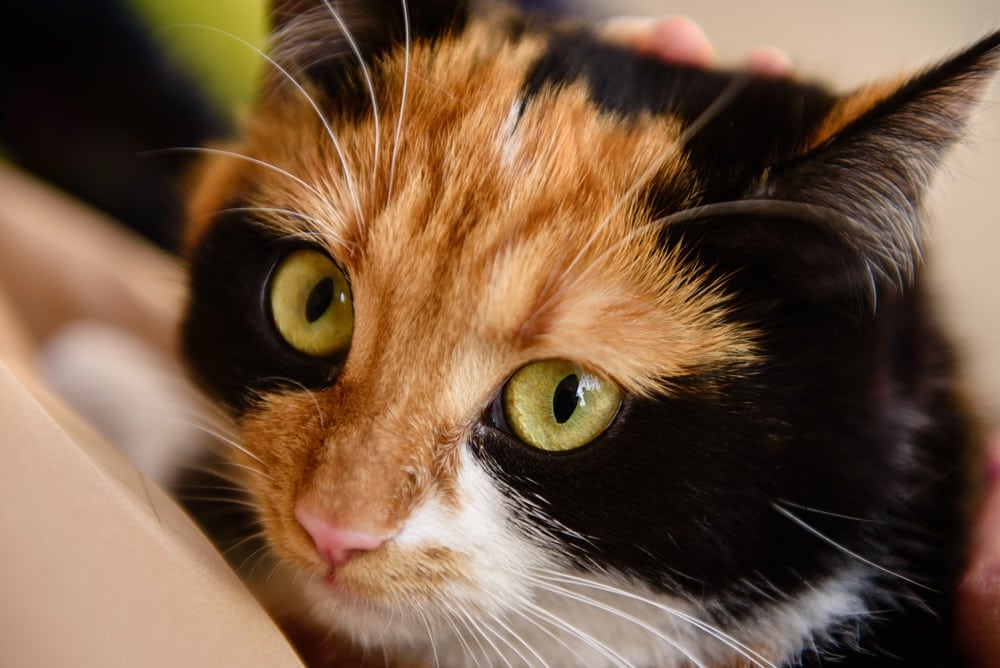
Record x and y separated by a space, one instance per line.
485 396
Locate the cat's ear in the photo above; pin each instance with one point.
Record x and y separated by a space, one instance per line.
318 38
869 164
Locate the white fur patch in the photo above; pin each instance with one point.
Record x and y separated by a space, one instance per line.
525 606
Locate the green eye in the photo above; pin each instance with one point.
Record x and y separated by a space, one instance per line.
311 304
556 405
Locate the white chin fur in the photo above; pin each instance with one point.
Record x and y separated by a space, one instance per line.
528 608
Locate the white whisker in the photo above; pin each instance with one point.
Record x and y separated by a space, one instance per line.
208 150
228 441
449 616
348 178
345 31
854 555
430 635
402 99
486 636
561 624
587 600
310 393
734 644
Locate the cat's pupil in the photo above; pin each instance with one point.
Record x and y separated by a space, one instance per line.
565 398
319 299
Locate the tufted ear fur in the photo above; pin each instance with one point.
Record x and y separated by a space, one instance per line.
870 163
313 37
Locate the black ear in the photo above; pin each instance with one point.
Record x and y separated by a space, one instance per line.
314 37
870 164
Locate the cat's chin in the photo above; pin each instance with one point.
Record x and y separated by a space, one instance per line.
368 623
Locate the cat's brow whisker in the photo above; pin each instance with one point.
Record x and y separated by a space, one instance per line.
854 555
791 210
310 100
731 642
366 74
209 150
407 38
316 231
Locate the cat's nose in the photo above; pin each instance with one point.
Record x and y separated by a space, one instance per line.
335 544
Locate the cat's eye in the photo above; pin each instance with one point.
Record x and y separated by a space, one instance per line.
311 303
556 405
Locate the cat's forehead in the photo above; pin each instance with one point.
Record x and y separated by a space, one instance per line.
490 221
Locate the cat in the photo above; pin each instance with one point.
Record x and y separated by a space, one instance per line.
545 352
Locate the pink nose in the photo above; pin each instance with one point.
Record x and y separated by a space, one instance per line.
334 544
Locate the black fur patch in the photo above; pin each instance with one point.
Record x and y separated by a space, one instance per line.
765 120
229 339
312 41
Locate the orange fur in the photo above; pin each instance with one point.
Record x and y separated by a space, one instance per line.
850 108
460 276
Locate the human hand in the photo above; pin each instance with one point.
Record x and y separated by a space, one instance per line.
977 614
681 40
978 604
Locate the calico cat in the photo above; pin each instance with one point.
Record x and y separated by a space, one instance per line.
544 352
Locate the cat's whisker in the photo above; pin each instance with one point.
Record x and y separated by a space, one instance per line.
462 617
529 615
317 234
485 635
366 74
731 642
220 499
515 640
258 556
257 535
562 625
854 555
791 210
407 38
789 504
310 100
430 634
449 617
308 392
209 150
589 601
236 445
250 469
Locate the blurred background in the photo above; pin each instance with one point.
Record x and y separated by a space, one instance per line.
92 91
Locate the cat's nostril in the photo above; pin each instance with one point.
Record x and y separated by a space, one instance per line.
335 544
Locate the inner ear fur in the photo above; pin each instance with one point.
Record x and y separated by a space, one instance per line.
870 163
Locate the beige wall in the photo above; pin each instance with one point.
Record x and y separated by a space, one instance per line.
850 41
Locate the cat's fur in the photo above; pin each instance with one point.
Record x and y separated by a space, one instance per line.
782 482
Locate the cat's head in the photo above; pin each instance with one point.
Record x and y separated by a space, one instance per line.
500 306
